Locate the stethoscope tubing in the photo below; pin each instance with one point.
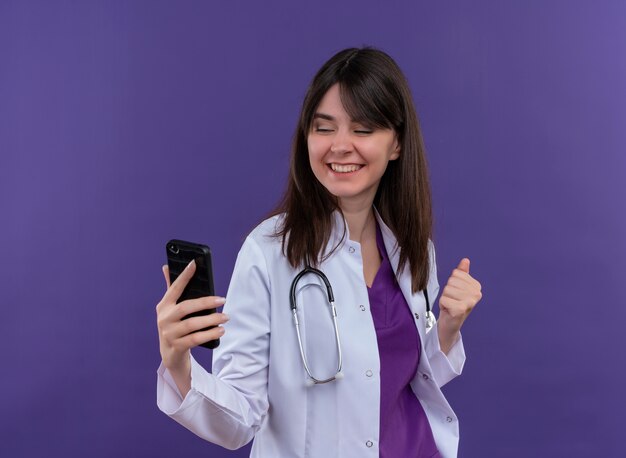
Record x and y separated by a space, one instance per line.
333 309
430 319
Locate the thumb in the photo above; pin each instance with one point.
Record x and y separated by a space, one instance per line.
464 265
166 274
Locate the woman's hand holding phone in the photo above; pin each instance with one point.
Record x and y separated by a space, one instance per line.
176 336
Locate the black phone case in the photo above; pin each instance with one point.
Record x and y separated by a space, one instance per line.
179 255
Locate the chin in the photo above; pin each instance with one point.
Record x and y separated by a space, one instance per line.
346 196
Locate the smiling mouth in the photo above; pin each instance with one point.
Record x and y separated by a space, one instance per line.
344 168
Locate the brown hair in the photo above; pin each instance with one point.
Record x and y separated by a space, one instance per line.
373 90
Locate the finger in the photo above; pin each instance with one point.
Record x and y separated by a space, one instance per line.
455 292
460 279
197 323
177 288
464 265
467 297
201 303
166 274
197 338
453 307
448 303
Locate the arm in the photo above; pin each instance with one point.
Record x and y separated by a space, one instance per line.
228 406
448 364
458 299
445 366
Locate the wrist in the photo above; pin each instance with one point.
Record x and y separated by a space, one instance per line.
178 364
448 335
181 374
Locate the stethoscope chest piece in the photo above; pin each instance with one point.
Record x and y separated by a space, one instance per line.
430 319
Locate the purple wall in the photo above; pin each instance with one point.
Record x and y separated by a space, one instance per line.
123 124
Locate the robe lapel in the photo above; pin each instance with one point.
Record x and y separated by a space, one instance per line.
416 302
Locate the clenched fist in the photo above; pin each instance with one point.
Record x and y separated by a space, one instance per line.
458 298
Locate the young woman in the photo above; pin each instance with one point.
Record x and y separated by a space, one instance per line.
358 208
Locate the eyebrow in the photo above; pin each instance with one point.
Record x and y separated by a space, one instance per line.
325 116
328 117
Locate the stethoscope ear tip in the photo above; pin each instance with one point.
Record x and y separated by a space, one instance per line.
309 382
339 375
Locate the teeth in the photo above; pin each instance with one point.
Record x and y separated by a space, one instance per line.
345 168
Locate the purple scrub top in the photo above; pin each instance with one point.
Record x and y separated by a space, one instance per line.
404 427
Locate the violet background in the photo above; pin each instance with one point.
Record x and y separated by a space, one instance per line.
126 123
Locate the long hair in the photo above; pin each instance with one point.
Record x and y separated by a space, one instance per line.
373 90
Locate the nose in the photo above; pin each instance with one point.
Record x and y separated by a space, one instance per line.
342 142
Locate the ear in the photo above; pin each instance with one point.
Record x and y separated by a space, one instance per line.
396 150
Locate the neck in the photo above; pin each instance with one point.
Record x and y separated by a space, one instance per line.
361 221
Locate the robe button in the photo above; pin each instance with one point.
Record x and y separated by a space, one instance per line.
351 249
417 317
449 419
369 444
362 307
369 373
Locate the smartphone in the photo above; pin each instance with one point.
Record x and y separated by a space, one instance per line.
179 254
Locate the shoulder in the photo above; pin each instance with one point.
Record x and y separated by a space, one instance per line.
263 242
261 253
265 233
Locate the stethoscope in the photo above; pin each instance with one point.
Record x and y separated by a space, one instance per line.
430 321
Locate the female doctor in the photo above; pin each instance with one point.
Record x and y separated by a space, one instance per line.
366 382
